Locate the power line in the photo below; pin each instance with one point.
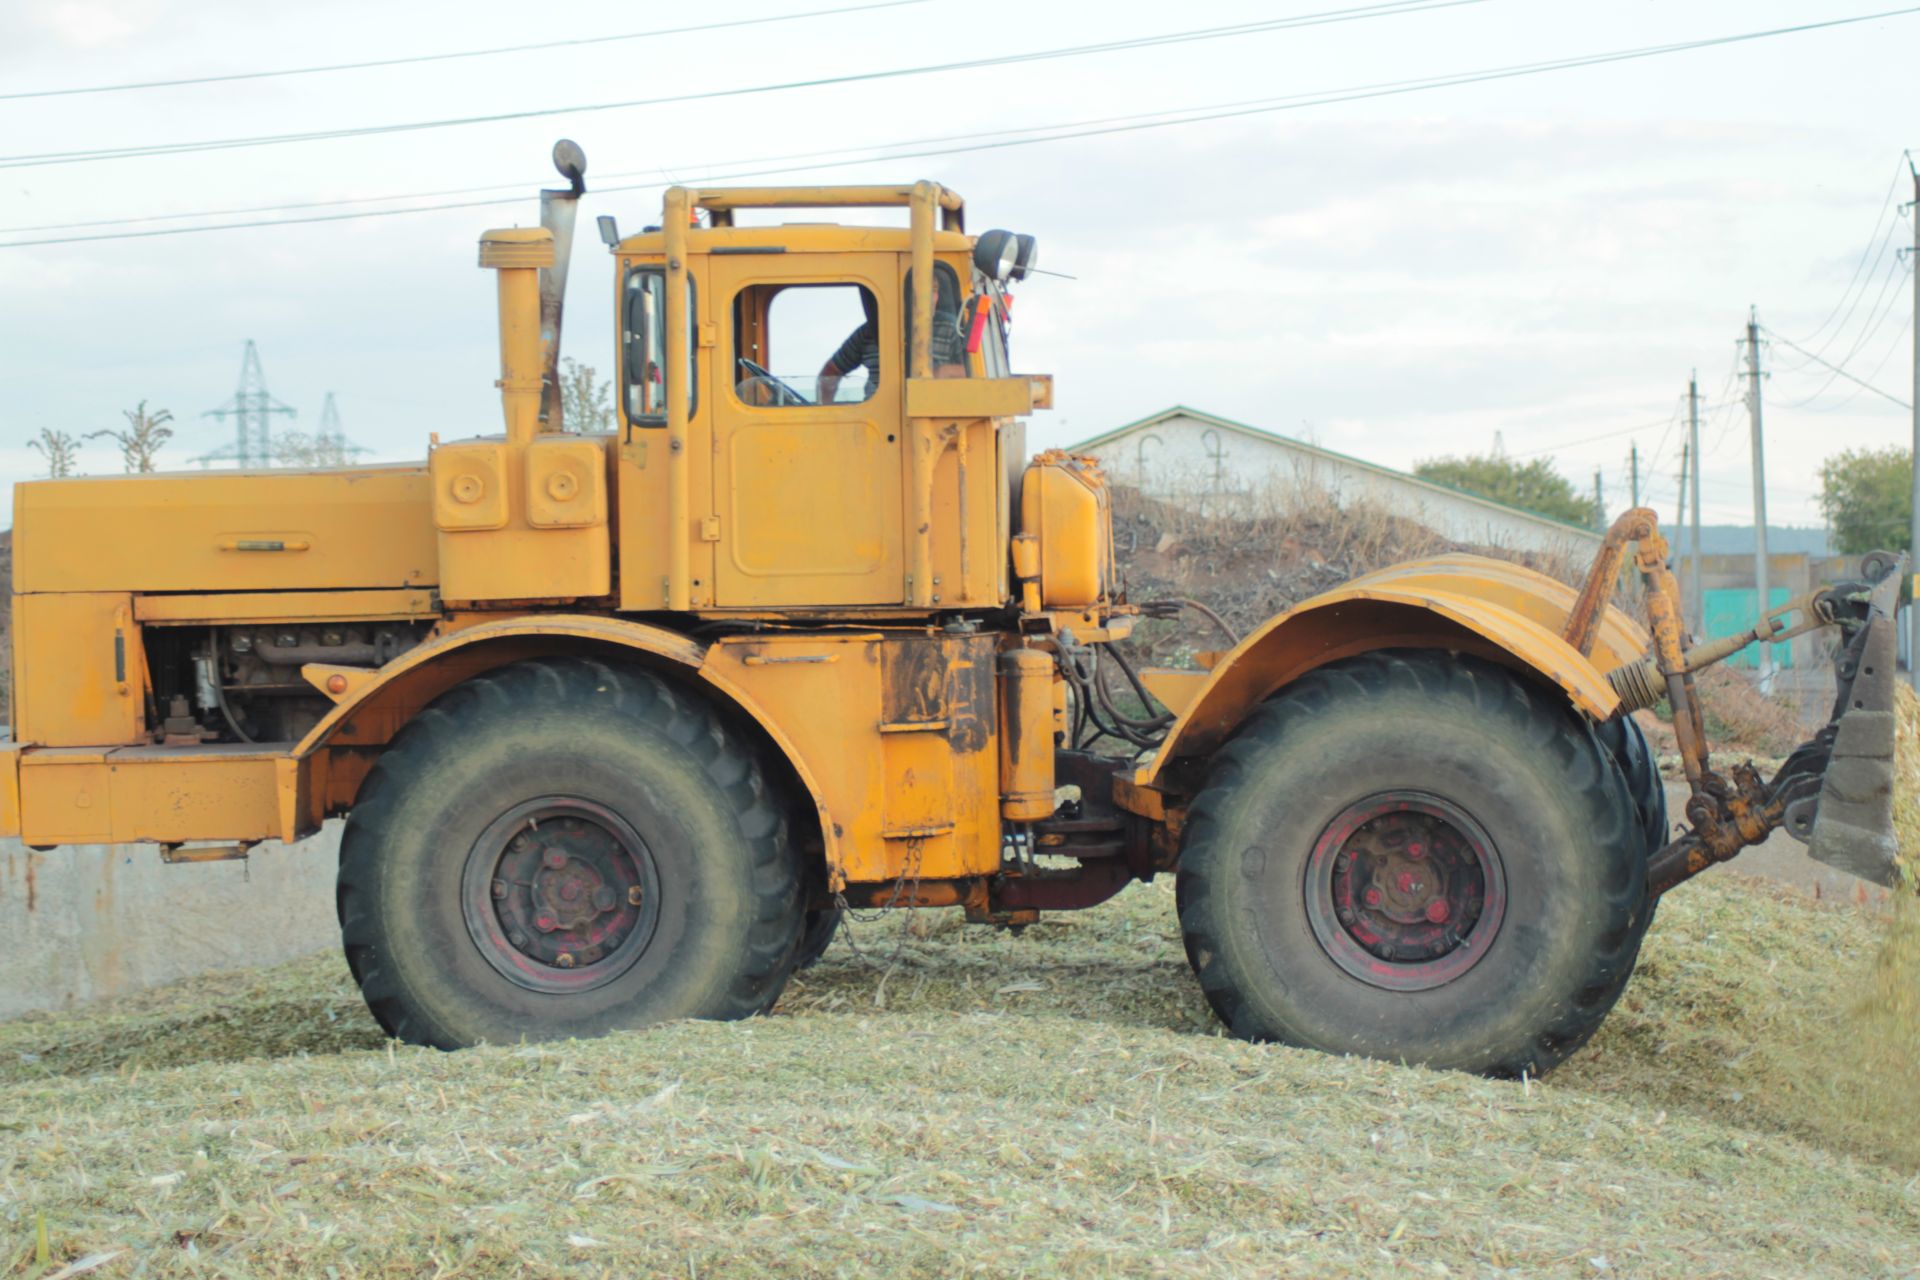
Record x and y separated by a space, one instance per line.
1839 372
1323 18
1885 356
1037 134
1876 316
416 59
1867 255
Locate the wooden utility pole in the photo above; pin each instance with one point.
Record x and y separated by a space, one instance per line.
1599 504
1763 596
1633 472
1696 594
1913 529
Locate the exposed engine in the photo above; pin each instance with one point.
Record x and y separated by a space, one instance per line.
243 683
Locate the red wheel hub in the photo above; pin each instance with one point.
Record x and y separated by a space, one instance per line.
1404 890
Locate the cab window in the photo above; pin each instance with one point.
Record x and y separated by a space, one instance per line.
643 338
949 329
806 344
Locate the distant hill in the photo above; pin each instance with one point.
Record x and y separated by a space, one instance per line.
1737 539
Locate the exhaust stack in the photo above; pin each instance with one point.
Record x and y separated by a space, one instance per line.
557 209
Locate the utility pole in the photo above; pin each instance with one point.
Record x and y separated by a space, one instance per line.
1764 596
1680 516
1633 472
1599 503
1913 530
1695 592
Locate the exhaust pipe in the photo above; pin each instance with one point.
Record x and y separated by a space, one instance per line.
557 209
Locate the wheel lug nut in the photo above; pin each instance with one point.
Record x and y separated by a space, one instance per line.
603 899
1371 897
1438 911
499 888
554 859
633 896
546 924
564 959
517 938
1416 850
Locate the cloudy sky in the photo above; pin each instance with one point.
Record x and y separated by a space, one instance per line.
1543 257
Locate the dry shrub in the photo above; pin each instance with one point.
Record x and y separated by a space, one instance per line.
1744 721
1251 554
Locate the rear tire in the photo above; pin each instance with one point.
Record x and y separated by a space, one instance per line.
565 848
1417 857
821 927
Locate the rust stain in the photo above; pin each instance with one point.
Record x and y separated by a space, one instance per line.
32 896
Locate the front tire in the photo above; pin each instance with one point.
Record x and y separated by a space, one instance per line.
562 847
1417 857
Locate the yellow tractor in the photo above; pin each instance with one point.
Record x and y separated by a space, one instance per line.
621 721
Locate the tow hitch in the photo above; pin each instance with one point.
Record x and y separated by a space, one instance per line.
1835 792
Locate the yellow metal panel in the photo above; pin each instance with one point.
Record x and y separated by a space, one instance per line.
65 797
283 606
470 485
566 483
894 735
79 670
969 397
9 789
808 497
1525 591
165 794
514 561
1175 689
365 526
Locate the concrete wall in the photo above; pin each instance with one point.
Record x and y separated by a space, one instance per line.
1182 458
84 922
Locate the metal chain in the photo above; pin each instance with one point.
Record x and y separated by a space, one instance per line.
905 888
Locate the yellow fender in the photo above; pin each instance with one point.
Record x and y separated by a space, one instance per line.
391 693
1469 603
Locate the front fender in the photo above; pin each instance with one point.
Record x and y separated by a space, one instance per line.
1474 604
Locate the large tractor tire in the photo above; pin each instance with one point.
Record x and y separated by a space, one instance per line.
1628 745
1418 857
565 848
816 936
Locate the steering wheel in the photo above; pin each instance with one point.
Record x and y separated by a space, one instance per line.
783 395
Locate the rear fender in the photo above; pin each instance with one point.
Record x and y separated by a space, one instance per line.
376 704
1471 604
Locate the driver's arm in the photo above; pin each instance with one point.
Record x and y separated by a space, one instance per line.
828 381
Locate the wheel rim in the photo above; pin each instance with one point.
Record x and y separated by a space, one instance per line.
1405 891
560 894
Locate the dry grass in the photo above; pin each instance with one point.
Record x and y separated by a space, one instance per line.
1057 1103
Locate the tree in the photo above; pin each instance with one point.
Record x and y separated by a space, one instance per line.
586 403
145 433
1532 486
1867 497
61 451
298 449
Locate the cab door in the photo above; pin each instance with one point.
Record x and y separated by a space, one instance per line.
807 495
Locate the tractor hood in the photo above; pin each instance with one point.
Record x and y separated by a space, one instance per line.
226 531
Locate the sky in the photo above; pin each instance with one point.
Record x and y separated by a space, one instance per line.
1534 261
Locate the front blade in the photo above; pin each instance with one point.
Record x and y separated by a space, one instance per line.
1853 827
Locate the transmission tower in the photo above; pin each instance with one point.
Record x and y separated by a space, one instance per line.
252 410
331 447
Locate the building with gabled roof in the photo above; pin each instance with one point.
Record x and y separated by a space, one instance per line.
1189 457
